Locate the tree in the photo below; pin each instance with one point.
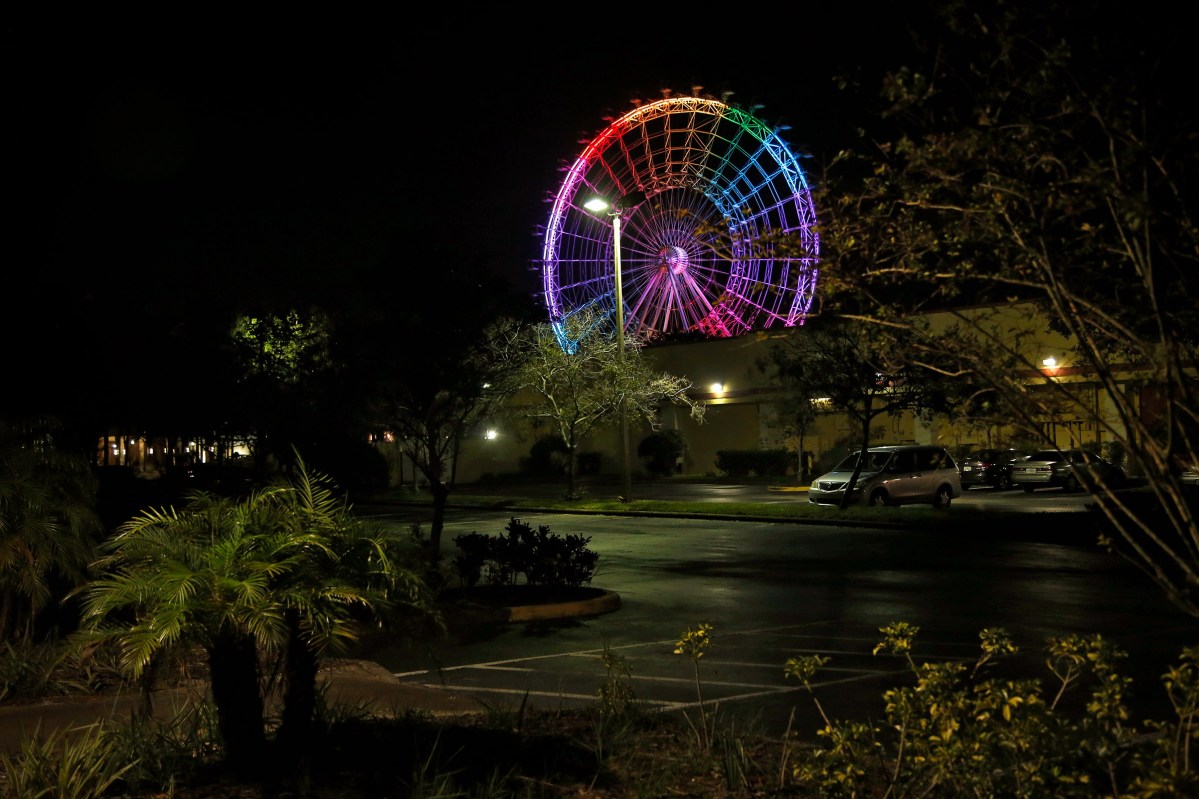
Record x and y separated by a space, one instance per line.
287 573
865 370
1013 163
428 412
283 359
799 409
49 526
583 390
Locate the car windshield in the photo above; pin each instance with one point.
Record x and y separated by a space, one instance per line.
875 462
1046 455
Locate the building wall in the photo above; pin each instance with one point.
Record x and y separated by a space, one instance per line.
743 413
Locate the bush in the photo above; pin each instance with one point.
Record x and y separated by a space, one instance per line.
756 462
589 463
547 456
952 733
542 557
662 449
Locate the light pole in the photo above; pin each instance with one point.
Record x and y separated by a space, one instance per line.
599 205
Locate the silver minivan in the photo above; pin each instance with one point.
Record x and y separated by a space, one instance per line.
906 474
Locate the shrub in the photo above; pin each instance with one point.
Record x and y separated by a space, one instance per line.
542 557
759 462
547 456
589 462
662 449
954 734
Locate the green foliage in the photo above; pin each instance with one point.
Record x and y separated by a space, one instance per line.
662 449
540 556
283 349
955 733
30 670
616 694
547 456
760 462
287 572
1010 177
49 526
694 645
83 765
591 386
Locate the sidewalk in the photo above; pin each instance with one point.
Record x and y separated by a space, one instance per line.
360 685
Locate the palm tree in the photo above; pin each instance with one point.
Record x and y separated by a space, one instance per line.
351 573
281 576
49 526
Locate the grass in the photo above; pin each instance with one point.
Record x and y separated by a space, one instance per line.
517 496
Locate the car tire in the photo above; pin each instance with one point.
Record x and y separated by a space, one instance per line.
944 498
1071 484
879 498
1003 482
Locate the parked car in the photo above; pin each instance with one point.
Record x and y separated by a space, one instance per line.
892 475
989 467
1066 469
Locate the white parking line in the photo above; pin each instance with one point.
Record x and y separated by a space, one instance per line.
536 669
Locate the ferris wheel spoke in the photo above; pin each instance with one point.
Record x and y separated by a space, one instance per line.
713 185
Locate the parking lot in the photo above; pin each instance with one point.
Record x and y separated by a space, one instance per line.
775 591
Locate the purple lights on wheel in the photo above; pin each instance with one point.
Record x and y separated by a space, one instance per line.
716 193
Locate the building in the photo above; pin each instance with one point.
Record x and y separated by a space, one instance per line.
743 401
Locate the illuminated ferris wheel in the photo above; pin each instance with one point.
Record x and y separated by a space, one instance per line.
700 194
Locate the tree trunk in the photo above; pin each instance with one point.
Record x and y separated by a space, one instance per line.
434 469
441 497
867 417
233 673
299 689
570 471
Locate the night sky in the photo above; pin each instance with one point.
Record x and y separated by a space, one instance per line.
162 170
288 146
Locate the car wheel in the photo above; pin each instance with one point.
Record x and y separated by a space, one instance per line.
944 497
878 498
1003 482
1071 485
1027 488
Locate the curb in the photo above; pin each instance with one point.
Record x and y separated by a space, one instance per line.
606 602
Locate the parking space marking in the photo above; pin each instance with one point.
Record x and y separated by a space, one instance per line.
662 680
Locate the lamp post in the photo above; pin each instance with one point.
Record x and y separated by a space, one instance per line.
599 205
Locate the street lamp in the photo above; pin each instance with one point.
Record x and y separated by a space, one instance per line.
597 205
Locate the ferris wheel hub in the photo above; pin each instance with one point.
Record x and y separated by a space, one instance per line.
675 258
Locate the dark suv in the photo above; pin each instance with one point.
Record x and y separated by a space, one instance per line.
989 467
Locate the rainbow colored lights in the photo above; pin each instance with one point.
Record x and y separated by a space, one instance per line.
724 241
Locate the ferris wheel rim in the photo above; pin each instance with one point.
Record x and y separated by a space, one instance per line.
732 157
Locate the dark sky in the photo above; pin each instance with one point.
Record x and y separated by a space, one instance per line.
208 153
163 170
